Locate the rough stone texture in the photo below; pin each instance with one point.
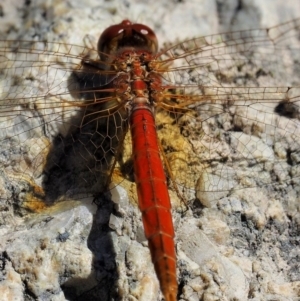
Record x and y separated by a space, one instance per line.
244 246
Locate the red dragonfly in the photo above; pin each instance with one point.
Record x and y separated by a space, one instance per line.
185 107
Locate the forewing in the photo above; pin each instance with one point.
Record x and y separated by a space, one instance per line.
54 120
231 111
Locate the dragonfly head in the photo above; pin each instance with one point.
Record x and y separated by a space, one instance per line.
127 35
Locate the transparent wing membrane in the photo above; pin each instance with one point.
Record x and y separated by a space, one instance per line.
227 117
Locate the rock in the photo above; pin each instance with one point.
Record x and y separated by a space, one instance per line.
243 246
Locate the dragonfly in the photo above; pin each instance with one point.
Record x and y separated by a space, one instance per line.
197 118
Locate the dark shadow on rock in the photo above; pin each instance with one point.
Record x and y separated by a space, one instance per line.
101 284
78 165
81 158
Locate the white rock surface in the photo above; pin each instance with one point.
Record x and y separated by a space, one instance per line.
245 246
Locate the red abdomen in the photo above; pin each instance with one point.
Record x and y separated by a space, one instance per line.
154 200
